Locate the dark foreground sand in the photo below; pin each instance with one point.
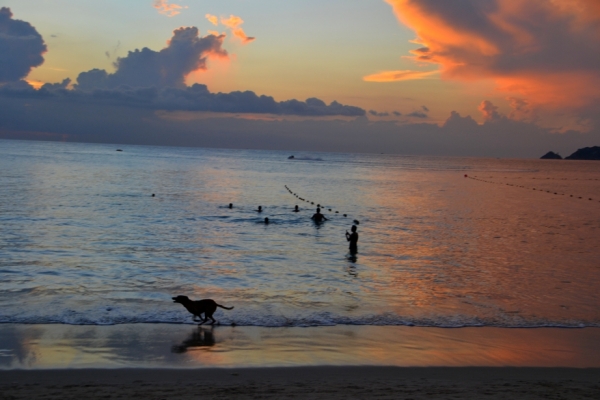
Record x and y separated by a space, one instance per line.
304 382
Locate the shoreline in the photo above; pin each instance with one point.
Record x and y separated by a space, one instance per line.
160 346
158 361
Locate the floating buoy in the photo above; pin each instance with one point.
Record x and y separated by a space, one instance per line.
466 176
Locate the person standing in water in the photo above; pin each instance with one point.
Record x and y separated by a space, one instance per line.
353 239
318 217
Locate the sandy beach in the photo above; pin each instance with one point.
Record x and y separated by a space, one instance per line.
182 361
305 382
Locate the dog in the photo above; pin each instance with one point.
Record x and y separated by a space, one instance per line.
197 307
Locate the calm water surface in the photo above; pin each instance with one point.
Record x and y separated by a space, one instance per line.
82 241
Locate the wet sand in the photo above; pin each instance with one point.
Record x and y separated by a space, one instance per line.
304 382
184 361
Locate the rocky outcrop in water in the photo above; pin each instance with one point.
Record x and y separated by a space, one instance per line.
587 153
551 156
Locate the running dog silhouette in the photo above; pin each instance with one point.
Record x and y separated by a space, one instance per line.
197 307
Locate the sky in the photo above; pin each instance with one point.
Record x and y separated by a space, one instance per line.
499 78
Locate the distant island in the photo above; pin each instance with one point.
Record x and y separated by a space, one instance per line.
551 156
587 153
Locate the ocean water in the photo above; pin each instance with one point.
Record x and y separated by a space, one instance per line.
82 240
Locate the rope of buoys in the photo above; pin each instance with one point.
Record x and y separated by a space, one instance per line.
475 178
318 204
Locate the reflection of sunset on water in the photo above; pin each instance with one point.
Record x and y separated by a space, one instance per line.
445 246
178 346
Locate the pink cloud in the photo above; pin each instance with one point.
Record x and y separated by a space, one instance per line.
544 52
394 76
233 23
170 10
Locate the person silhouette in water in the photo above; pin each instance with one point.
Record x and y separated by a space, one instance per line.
318 217
259 209
296 209
353 239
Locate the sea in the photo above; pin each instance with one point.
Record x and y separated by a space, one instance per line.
101 234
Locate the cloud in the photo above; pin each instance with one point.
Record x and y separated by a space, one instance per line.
234 23
49 115
521 109
21 47
194 98
396 76
545 51
213 19
489 111
186 52
417 114
170 10
378 114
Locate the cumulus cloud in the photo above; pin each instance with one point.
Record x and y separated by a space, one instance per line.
396 76
194 98
21 47
170 10
186 52
547 51
489 111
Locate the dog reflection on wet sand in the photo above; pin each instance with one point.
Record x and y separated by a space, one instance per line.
199 307
201 337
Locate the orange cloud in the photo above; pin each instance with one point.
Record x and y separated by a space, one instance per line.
395 76
170 10
544 50
234 23
213 19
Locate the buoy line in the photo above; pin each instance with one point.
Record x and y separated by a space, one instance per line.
475 178
318 204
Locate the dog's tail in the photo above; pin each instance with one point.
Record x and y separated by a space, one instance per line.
227 308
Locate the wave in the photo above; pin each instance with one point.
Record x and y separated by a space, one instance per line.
315 320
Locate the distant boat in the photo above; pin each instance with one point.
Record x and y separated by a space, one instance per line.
291 157
119 150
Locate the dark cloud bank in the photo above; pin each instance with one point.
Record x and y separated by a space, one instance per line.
146 101
21 47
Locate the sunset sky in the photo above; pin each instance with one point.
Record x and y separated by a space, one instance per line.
463 77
